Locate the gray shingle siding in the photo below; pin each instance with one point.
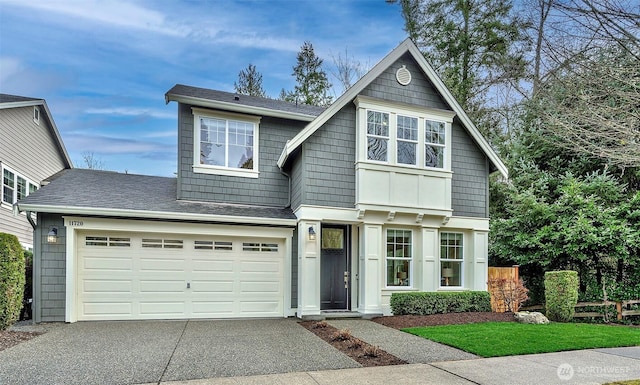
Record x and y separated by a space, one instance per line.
297 181
329 162
49 271
469 186
270 189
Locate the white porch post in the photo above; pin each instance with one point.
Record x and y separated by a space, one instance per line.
480 257
308 269
430 264
371 274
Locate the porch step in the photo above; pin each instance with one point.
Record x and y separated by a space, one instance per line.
341 314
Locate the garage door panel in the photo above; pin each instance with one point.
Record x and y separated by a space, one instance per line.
137 282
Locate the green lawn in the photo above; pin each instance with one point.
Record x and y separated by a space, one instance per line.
494 339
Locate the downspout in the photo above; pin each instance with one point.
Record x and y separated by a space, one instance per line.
289 189
30 219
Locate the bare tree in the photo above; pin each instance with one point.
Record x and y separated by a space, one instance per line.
91 161
347 69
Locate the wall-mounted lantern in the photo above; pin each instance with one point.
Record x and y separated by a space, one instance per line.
52 236
312 233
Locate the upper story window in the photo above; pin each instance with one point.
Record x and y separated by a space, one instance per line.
404 135
225 144
15 186
36 115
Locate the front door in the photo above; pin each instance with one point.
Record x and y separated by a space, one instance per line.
335 274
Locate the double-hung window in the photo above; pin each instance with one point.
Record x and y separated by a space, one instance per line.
15 186
225 144
434 143
399 258
377 136
451 259
407 140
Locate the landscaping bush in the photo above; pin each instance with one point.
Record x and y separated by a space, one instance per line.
425 303
11 279
561 294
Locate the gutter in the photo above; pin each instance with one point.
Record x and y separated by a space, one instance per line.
33 224
155 215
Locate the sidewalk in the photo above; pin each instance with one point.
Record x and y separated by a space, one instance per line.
583 367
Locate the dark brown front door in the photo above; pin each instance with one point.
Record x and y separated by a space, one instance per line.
335 275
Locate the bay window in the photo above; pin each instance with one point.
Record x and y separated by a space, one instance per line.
399 258
407 135
434 142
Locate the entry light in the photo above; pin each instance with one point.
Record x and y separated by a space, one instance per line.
312 233
52 236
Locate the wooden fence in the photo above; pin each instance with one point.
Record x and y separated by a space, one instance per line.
510 274
623 309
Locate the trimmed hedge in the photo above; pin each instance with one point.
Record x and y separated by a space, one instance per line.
425 303
11 279
561 294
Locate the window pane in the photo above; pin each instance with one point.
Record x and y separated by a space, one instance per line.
377 123
212 141
406 152
32 188
240 145
451 274
434 132
434 156
398 272
407 128
377 149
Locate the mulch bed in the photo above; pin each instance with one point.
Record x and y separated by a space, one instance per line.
409 321
360 351
9 339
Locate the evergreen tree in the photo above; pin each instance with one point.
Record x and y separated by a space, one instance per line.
249 82
312 83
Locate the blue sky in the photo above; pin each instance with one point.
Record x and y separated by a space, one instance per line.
104 66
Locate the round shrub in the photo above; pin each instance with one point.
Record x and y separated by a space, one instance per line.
11 279
561 294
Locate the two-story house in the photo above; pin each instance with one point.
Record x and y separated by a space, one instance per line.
30 151
277 209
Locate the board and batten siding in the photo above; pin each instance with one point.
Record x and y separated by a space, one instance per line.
271 188
30 150
49 271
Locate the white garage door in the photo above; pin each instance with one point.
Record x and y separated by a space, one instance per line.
125 276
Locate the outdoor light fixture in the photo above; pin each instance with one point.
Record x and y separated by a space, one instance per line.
312 233
52 236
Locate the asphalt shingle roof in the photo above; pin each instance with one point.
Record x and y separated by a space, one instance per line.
6 98
81 188
244 100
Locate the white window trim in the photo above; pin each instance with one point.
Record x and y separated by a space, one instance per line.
411 267
220 170
388 138
461 261
36 115
365 103
4 203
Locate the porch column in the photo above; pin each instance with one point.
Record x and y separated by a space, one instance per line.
308 269
430 263
479 263
371 259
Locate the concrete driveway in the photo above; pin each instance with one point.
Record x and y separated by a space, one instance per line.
134 352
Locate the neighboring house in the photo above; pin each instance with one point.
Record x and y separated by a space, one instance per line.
278 209
30 151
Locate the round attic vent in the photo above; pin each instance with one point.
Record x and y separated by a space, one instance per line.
403 76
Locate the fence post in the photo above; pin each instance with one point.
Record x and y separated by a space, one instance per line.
619 310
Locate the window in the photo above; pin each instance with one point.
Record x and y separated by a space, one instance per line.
377 135
107 241
434 143
225 144
15 186
263 247
36 115
399 263
407 135
397 134
451 258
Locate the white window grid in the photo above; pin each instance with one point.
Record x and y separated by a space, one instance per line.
407 138
378 132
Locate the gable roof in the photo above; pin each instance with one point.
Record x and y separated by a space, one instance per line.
242 103
108 193
406 46
14 101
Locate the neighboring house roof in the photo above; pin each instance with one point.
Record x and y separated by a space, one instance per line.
242 103
14 101
406 46
108 193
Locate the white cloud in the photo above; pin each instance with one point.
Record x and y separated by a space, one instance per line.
124 111
113 145
9 67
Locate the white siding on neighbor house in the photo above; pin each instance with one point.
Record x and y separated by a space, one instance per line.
30 150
